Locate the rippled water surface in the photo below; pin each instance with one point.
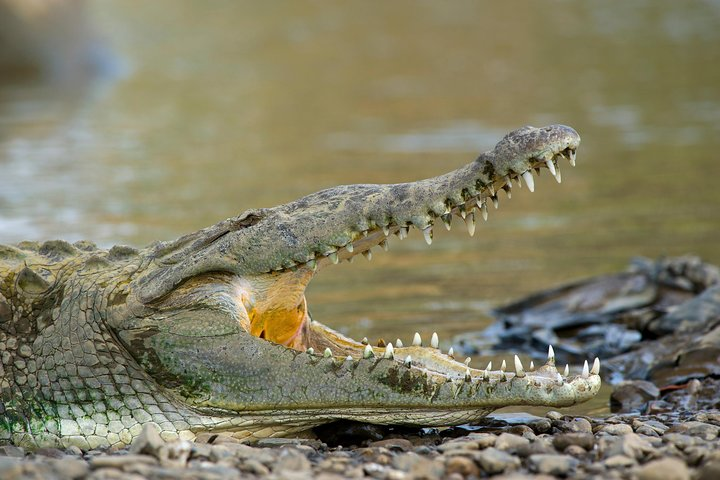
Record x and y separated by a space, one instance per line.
217 107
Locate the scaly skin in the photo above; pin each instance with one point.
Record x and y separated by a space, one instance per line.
210 333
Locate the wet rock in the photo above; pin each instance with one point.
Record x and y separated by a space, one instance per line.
575 425
654 425
633 395
619 461
483 440
50 452
709 471
121 461
510 442
290 460
564 440
454 445
541 425
574 450
11 467
664 469
549 464
493 461
630 445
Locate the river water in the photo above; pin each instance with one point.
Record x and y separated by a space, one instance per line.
216 107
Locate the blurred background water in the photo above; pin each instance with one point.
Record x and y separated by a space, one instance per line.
128 122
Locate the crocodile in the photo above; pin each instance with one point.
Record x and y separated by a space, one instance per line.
211 334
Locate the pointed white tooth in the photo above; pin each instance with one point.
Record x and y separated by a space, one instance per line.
558 379
434 340
489 366
532 365
595 370
468 377
349 358
417 340
470 223
586 370
408 361
566 372
367 254
527 176
327 353
368 352
496 201
558 177
349 247
519 370
491 189
551 166
571 156
503 366
518 182
486 375
312 264
386 230
402 233
467 361
364 341
447 220
310 351
333 258
389 351
398 343
451 353
428 234
484 211
551 355
384 245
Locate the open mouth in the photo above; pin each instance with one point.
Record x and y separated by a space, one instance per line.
282 316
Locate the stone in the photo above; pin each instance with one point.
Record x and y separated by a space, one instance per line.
563 440
630 445
576 425
633 395
50 452
11 451
542 425
148 442
574 450
253 466
460 444
706 431
396 444
619 461
508 441
121 461
69 468
462 465
664 469
493 461
680 440
553 464
290 460
616 429
483 440
10 467
709 471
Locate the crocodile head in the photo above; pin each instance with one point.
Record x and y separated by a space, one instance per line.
219 318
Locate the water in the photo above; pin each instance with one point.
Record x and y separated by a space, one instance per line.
217 107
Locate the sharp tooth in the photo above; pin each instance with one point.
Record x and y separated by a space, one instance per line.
350 259
402 233
434 340
364 341
386 230
310 351
566 372
571 156
312 264
389 351
518 181
527 176
468 377
428 234
496 201
327 353
551 355
408 361
384 245
532 365
484 211
333 257
595 370
349 247
586 370
365 233
470 223
491 188
489 366
503 366
451 353
381 343
551 166
417 341
558 379
467 361
349 358
519 370
558 177
368 352
398 343
447 220
367 254
486 375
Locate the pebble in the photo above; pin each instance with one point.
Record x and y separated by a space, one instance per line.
508 441
616 429
664 469
705 431
551 464
493 461
462 465
564 440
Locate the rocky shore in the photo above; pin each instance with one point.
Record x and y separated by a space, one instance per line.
673 445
